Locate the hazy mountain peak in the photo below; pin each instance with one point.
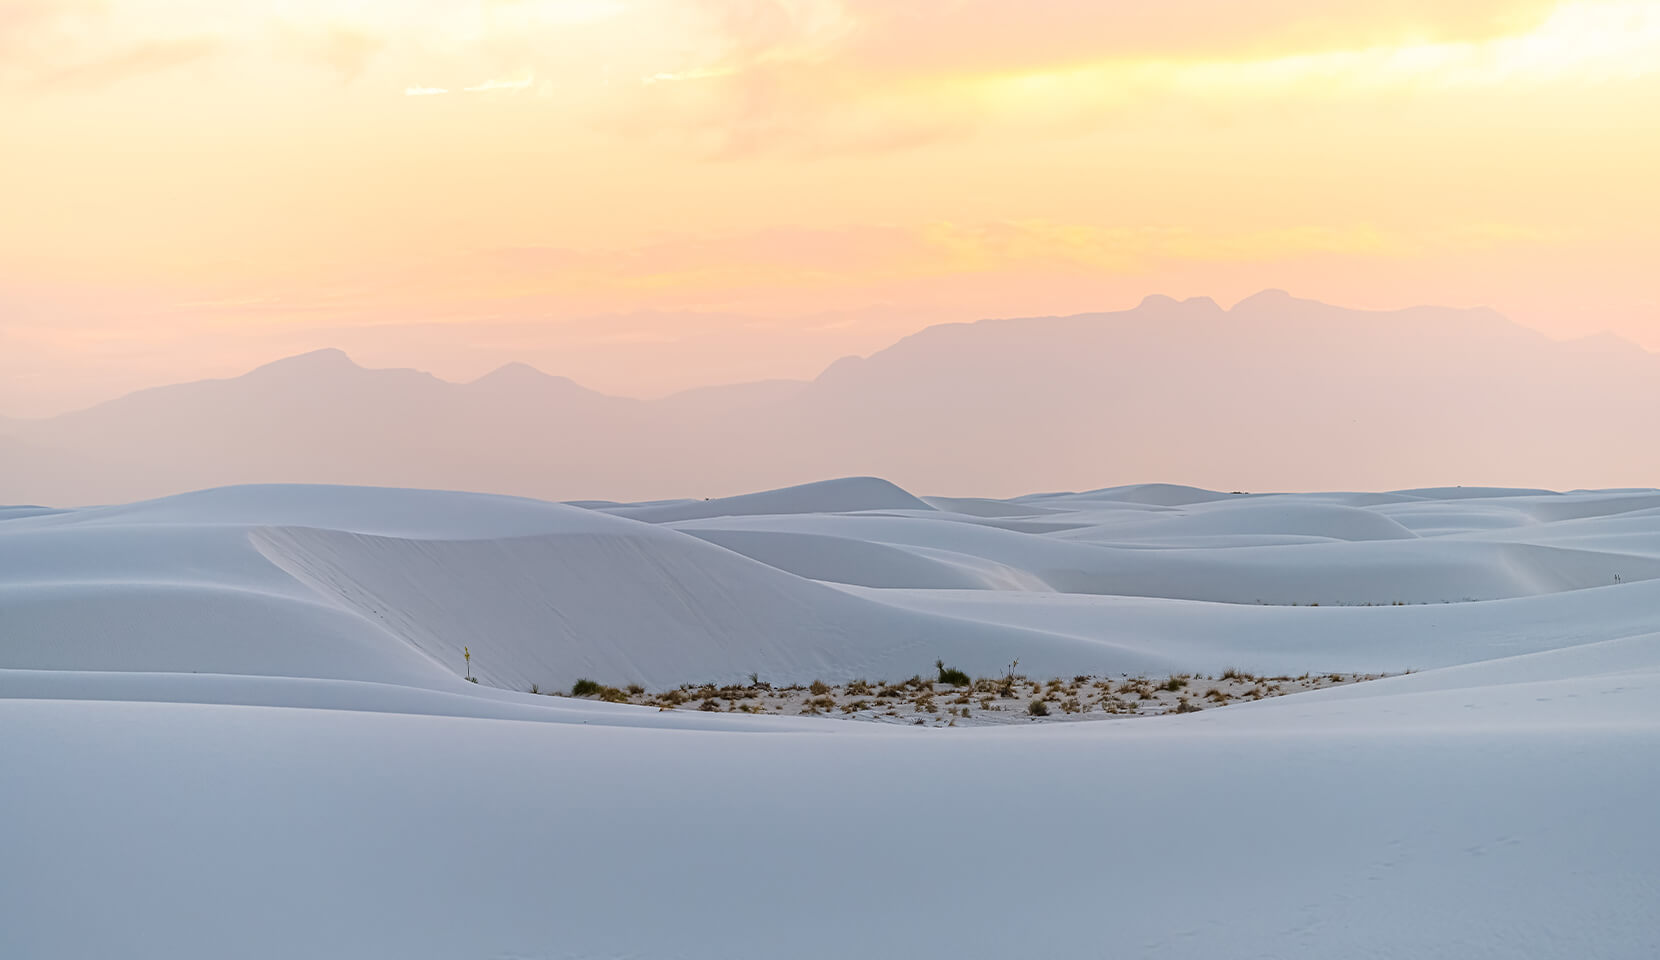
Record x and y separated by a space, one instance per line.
515 372
328 359
842 367
1267 299
1161 303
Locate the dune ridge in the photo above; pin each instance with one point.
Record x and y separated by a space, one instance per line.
240 715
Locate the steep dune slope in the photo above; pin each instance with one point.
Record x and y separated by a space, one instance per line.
642 605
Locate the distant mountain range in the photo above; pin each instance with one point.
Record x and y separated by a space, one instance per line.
1274 393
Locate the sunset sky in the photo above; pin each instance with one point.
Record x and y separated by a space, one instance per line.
646 195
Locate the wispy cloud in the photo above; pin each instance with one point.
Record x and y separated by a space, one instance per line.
154 56
345 49
695 74
491 86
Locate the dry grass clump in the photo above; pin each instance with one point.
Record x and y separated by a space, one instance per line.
955 696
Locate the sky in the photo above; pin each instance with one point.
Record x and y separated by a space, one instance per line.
649 195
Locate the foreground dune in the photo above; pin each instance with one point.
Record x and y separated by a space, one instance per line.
238 725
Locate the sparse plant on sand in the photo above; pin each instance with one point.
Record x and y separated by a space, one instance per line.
952 675
584 687
1038 708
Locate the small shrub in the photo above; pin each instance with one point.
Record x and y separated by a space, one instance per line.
535 689
819 688
711 706
855 706
1038 708
1174 683
612 695
635 689
584 688
858 688
952 675
1182 706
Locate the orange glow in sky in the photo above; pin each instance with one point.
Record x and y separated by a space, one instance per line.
646 195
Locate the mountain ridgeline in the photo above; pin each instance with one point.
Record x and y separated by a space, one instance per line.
1274 393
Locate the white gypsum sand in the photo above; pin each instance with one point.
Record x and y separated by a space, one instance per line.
237 722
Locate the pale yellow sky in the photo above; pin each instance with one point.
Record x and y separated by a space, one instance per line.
651 194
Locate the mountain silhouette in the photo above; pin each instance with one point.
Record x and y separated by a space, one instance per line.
1276 392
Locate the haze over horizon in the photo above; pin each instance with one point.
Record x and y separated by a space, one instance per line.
1272 393
707 379
650 195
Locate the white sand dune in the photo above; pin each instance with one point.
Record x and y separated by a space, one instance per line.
827 496
236 725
